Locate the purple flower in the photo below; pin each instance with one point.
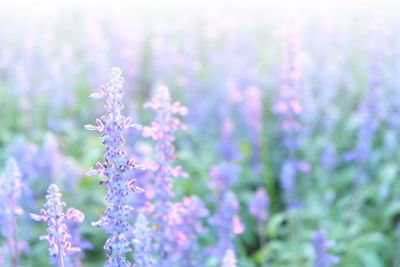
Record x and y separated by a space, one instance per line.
288 176
114 126
289 108
229 259
329 158
55 166
57 234
253 114
224 175
321 246
228 148
259 204
74 219
226 222
162 132
185 226
10 194
142 241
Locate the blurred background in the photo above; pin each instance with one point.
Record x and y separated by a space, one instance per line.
301 98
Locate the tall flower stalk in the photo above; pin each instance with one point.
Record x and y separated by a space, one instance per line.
289 108
75 218
10 193
162 132
142 241
114 126
225 220
57 233
258 208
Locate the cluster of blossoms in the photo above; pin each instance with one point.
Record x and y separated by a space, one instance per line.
253 114
74 220
187 225
114 126
57 233
370 110
321 246
259 204
172 221
289 108
10 194
142 242
225 219
229 259
227 223
43 165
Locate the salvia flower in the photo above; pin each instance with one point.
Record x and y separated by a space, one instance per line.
114 126
229 259
228 148
329 158
253 114
224 175
74 220
259 204
142 241
289 108
57 233
162 132
185 228
10 193
226 223
321 246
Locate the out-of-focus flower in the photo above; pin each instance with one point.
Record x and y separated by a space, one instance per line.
224 175
228 148
74 219
289 108
10 194
329 158
259 204
57 232
114 126
142 241
321 246
226 222
165 214
229 259
187 225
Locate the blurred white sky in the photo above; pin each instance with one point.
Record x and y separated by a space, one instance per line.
306 4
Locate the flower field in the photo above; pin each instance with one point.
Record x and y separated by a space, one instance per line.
199 135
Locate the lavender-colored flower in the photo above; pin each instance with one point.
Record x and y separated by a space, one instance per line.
142 241
162 130
259 204
288 179
253 114
226 223
289 108
329 158
56 167
321 246
57 232
43 165
185 226
228 148
74 219
10 193
114 126
229 259
224 175
1 255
